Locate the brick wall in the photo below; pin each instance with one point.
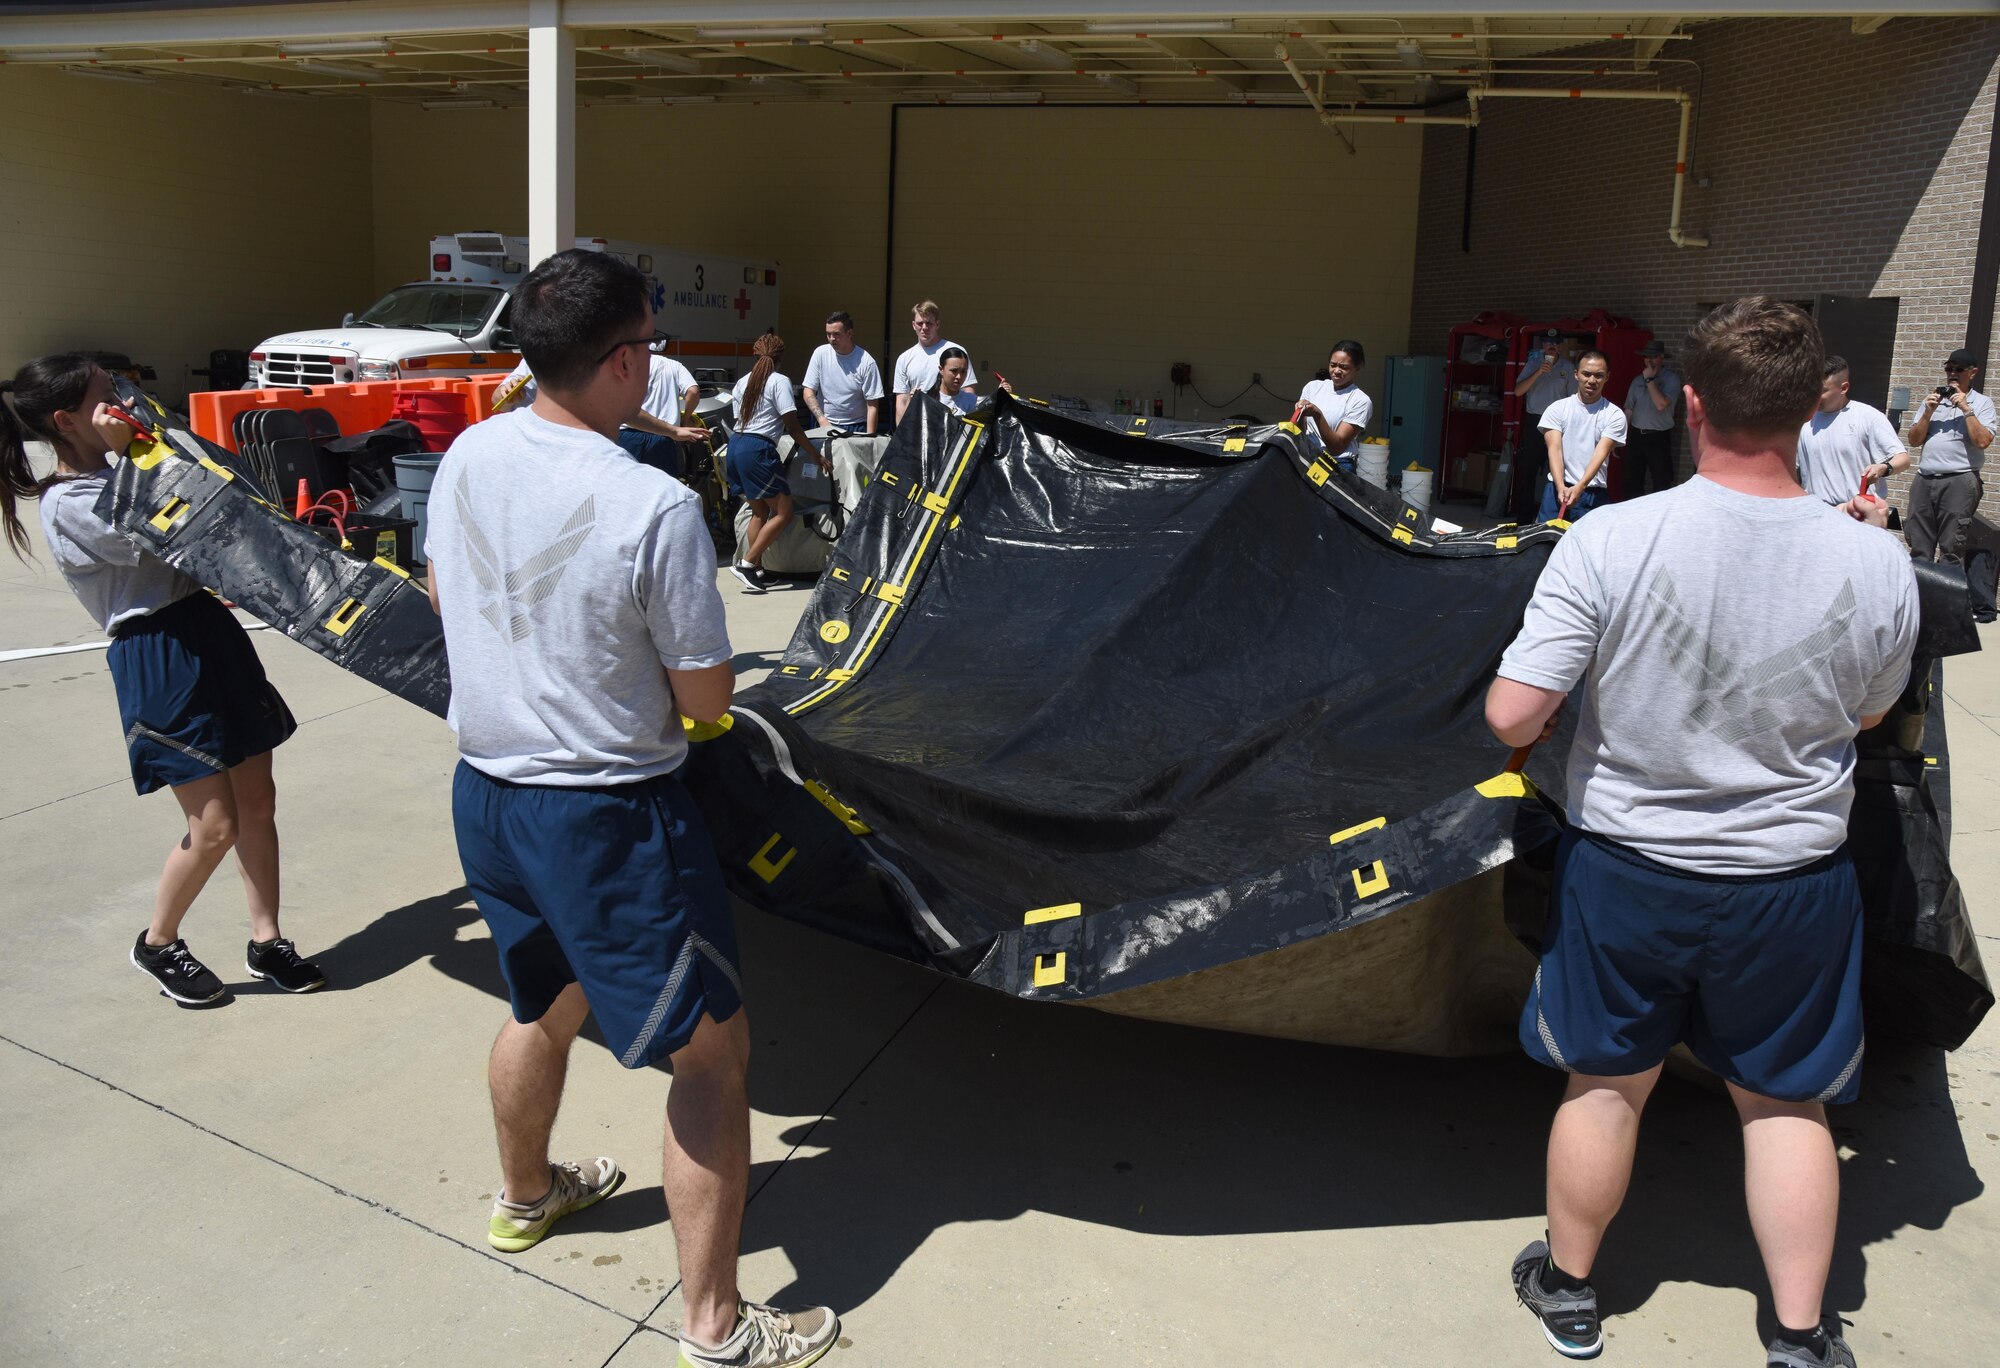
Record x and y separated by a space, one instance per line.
1839 164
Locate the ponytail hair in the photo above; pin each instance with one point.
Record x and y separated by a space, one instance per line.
948 354
768 349
44 387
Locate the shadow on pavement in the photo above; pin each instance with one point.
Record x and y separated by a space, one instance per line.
983 1108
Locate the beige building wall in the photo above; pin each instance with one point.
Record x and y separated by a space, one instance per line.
804 185
1079 251
165 221
1083 251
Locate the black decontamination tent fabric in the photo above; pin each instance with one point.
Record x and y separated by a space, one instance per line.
1177 721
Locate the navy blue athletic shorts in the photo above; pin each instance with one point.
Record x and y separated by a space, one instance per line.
616 888
755 471
652 448
1761 976
192 694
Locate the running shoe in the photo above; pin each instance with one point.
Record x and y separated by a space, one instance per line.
277 962
752 577
1568 1319
766 1337
180 975
572 1187
1836 1355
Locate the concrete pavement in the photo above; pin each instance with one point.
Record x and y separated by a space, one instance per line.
968 1179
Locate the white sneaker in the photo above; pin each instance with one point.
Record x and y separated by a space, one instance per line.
766 1337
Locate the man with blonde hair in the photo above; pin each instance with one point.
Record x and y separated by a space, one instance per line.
917 368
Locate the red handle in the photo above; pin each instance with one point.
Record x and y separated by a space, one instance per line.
122 416
1519 760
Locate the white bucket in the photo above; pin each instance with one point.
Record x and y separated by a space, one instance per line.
1417 486
1372 464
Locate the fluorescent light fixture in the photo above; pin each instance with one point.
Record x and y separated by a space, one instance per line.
1410 52
65 55
335 47
1149 27
777 85
995 97
459 104
741 32
1037 51
672 61
334 69
267 93
673 99
97 73
1118 83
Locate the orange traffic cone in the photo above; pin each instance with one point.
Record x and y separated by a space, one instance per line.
303 502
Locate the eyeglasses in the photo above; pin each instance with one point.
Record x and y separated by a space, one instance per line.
646 341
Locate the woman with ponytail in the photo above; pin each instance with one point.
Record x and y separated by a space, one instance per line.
198 714
765 407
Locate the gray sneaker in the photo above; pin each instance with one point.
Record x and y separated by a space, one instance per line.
572 1187
1568 1320
1837 1354
766 1337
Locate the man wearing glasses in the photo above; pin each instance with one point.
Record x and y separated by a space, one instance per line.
1954 428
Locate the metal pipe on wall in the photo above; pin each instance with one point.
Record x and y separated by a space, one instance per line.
1675 233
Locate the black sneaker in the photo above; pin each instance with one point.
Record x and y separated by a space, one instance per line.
278 963
1835 1354
752 576
1569 1320
180 975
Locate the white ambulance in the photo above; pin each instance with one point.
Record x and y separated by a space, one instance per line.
712 308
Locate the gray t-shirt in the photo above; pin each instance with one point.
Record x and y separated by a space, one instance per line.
666 381
572 579
1947 450
109 574
1551 387
1834 448
1582 427
1645 415
1728 645
844 385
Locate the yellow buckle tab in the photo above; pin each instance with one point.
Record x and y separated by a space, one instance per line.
936 503
344 617
171 512
1060 912
762 864
1377 880
1232 445
1050 973
212 468
1402 534
849 818
1506 784
1375 824
889 593
840 573
1506 543
1289 426
388 564
1318 472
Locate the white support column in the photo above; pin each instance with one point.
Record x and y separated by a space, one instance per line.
551 131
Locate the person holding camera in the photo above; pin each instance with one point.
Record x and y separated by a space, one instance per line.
1953 429
1649 412
1547 375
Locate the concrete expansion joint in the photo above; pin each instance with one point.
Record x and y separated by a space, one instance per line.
329 1185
